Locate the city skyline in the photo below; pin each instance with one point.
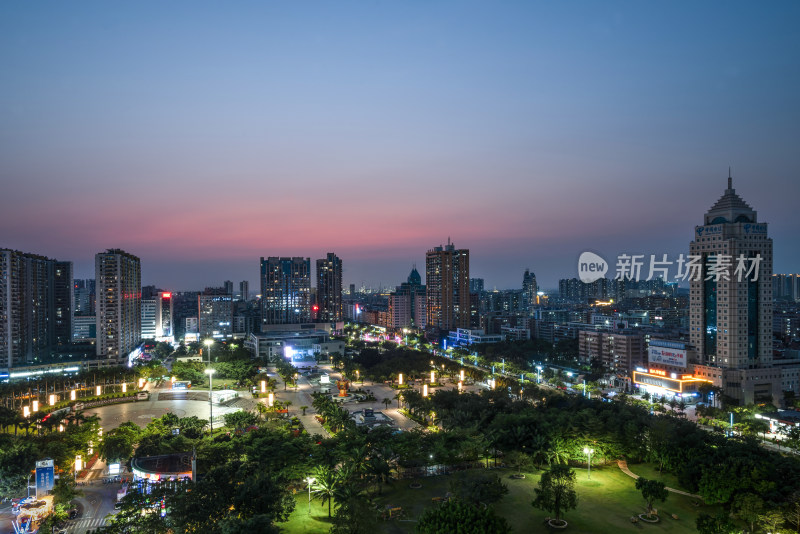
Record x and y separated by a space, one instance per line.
206 137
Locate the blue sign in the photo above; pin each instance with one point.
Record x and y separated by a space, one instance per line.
45 477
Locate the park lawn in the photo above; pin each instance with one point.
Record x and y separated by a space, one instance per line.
300 522
605 504
650 472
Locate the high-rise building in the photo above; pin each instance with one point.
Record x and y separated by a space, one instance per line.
228 286
329 288
215 313
476 285
285 290
244 290
407 303
529 289
84 297
447 287
157 316
730 311
786 286
352 291
63 301
165 316
119 303
35 306
149 318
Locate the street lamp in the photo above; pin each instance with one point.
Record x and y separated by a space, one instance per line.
587 451
538 374
504 365
210 373
310 481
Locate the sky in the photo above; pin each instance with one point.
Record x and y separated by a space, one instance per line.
201 136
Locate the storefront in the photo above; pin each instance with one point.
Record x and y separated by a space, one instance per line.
662 383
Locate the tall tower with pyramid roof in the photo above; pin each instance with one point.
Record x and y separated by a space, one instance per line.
730 312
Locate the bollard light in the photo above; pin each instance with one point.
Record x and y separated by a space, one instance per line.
271 400
424 390
263 386
400 379
72 395
461 375
52 400
26 412
124 388
99 390
36 406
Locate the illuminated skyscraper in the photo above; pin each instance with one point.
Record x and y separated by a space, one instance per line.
285 290
35 306
329 288
447 287
731 310
119 303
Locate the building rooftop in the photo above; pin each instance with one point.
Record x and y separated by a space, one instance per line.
730 208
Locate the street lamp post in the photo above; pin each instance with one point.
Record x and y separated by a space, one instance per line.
310 481
538 374
210 373
587 451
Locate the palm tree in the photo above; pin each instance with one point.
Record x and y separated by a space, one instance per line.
379 470
386 402
326 483
557 452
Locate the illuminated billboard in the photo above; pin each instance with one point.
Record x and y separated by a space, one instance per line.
667 356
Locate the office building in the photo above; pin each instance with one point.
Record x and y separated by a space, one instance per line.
165 315
228 287
447 287
329 289
730 311
244 290
149 318
215 313
285 290
84 328
119 304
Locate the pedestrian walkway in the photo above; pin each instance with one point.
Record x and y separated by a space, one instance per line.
623 465
83 525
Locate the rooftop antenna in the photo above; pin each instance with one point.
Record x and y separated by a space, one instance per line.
730 180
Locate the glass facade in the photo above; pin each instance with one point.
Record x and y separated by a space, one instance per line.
710 307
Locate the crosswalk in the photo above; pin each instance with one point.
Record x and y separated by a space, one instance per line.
83 525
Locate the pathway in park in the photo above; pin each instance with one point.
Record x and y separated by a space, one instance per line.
623 465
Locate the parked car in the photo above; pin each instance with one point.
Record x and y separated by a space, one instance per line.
72 513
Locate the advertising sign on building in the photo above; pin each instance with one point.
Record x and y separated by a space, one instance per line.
45 477
667 356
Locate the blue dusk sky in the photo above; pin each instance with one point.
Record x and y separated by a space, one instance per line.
203 135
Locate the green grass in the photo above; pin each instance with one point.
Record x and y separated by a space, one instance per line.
650 472
605 505
301 522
